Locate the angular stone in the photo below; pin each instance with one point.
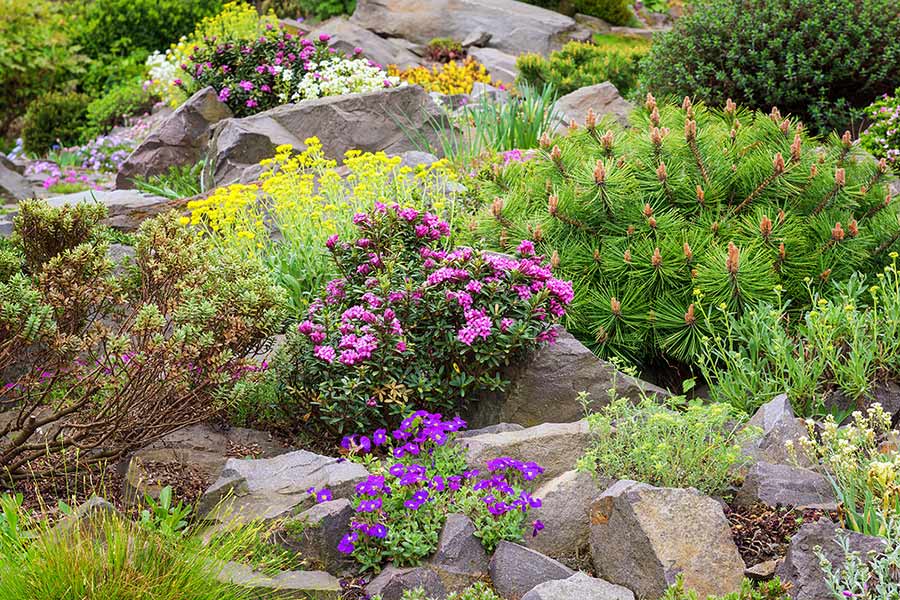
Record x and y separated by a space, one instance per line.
498 428
800 567
500 65
596 24
14 186
565 512
460 559
305 585
127 208
763 571
783 485
370 122
643 537
887 394
545 388
554 446
316 532
88 516
603 98
347 36
479 37
516 570
779 425
275 487
581 587
514 27
179 140
392 582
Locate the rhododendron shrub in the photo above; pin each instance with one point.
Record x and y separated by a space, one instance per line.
418 477
409 324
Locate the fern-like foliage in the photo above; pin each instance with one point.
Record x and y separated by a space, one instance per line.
690 205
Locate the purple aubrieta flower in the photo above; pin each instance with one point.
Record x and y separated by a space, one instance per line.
347 543
417 500
536 527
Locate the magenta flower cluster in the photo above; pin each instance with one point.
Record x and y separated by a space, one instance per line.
410 481
433 324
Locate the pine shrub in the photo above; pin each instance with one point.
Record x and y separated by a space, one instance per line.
54 119
691 205
820 60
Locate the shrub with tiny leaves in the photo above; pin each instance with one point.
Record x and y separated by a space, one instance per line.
418 477
691 205
412 325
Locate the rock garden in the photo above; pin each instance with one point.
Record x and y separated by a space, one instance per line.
465 300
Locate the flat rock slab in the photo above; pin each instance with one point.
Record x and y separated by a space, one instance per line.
276 487
783 485
579 587
300 585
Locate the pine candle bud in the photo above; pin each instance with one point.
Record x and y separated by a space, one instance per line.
837 233
796 147
782 252
538 233
548 186
553 204
715 227
606 140
650 102
652 222
556 154
615 306
630 230
654 117
627 256
599 173
690 130
813 171
657 135
732 263
648 210
495 170
765 226
661 172
846 140
573 126
785 127
596 255
781 216
778 163
730 107
688 253
504 238
590 120
656 259
825 275
686 103
497 207
840 177
689 317
544 141
853 228
701 195
775 115
554 259
882 166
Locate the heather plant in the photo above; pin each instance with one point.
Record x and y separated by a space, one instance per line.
882 136
450 78
98 360
691 203
672 443
828 357
767 590
864 472
303 200
578 64
418 477
872 577
408 324
822 61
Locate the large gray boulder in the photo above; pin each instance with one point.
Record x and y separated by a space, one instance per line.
13 185
545 388
516 570
276 487
347 36
308 585
603 98
179 140
800 567
784 485
579 586
565 513
554 446
373 121
643 537
779 426
514 27
500 65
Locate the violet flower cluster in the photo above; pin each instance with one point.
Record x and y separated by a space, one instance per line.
420 470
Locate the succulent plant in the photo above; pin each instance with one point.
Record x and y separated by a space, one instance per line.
690 208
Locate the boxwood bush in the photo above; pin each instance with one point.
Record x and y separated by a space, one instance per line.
54 119
820 60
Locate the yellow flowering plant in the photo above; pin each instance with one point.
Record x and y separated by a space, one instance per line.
304 198
451 78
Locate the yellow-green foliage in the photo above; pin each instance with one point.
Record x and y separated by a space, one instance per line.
612 58
305 199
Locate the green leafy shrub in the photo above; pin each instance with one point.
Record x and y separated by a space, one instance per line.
675 444
36 54
104 74
829 357
110 359
691 205
477 591
882 137
613 58
614 12
822 61
119 27
403 505
411 325
115 106
768 590
54 119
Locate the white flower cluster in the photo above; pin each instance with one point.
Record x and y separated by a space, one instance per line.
337 76
163 69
